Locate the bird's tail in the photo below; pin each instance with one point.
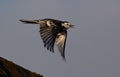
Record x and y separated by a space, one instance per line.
30 21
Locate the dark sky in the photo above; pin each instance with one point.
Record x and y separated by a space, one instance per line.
93 45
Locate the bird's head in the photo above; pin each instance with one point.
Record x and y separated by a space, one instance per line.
67 24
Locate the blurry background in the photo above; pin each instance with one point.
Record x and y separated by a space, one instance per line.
93 45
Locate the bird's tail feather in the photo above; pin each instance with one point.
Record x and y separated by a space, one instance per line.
29 21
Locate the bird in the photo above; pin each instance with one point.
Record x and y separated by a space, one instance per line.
52 31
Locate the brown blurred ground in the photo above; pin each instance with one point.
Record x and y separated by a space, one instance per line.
10 69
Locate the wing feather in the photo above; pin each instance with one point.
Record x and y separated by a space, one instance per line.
48 35
60 42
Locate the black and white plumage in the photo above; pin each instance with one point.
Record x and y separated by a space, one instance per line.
52 32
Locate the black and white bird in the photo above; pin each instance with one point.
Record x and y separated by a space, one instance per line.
52 32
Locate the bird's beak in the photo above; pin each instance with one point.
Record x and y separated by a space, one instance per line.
72 26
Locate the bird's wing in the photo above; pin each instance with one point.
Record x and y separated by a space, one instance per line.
48 32
61 41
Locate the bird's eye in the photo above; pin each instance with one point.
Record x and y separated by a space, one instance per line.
67 23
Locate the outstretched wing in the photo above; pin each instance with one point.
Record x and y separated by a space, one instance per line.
48 32
61 41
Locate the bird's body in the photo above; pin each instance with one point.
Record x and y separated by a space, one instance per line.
52 32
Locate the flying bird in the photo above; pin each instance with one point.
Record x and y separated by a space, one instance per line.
52 32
